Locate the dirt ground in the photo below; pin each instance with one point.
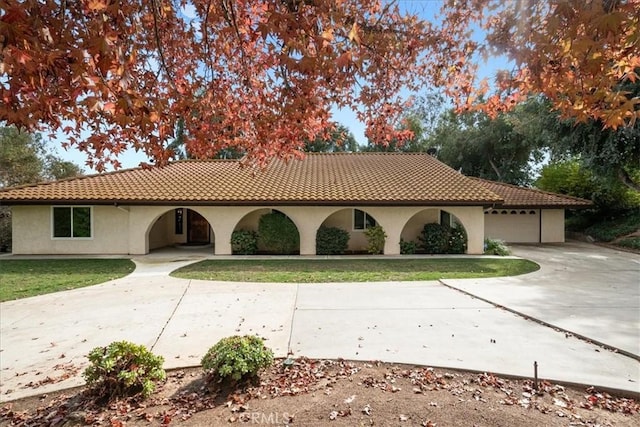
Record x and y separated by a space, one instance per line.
336 393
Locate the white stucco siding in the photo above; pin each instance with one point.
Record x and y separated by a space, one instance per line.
137 229
414 227
552 225
32 232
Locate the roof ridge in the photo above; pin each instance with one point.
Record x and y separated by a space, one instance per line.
537 190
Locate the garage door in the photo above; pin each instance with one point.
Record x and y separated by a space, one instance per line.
514 226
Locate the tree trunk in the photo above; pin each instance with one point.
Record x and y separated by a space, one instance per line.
624 177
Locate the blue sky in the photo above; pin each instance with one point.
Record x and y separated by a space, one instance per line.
427 9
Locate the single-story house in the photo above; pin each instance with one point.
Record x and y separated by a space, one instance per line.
137 210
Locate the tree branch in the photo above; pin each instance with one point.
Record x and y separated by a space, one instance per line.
626 179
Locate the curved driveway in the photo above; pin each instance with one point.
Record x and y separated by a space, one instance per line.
44 340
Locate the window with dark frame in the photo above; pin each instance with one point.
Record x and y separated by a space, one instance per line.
362 220
179 221
71 222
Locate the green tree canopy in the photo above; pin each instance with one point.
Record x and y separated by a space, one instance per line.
25 160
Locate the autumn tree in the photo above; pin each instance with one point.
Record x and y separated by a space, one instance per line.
256 76
261 76
574 52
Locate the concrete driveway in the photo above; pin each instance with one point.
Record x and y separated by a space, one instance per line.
44 340
589 290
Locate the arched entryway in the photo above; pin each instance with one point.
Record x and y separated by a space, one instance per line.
414 227
180 227
355 221
250 223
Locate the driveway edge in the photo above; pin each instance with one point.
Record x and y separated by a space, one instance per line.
550 325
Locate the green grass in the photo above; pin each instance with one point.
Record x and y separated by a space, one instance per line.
27 278
353 270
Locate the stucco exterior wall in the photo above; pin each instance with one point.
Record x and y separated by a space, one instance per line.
163 231
553 225
414 227
344 219
133 229
32 232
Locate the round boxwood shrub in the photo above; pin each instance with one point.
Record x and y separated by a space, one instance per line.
434 238
442 239
244 242
331 241
123 369
277 234
236 358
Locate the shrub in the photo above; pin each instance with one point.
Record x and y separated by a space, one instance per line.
236 358
495 247
457 240
606 231
5 229
434 238
407 247
331 241
443 239
244 242
630 242
123 369
375 239
277 234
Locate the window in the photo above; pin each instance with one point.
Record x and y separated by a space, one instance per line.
445 218
362 220
72 222
179 221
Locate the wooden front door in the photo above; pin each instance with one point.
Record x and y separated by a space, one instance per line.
197 228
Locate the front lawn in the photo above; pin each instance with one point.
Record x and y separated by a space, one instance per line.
353 270
27 278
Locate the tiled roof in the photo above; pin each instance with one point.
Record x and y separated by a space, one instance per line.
336 178
520 197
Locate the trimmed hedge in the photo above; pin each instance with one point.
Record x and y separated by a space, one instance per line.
331 241
277 234
443 239
244 242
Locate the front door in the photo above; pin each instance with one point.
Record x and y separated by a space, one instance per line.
197 228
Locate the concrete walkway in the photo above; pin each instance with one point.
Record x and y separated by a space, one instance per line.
44 340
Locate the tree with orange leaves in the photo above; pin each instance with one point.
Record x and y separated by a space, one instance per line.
260 76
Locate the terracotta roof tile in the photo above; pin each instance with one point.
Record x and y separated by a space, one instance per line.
520 197
336 178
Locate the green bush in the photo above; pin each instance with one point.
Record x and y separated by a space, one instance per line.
237 358
457 240
495 247
123 369
443 239
244 242
630 242
434 238
277 234
375 239
331 241
5 229
606 231
407 247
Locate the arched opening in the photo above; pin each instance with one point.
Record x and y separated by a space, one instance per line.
355 222
279 237
413 238
181 228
